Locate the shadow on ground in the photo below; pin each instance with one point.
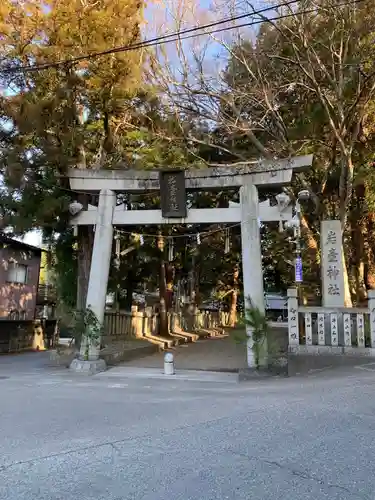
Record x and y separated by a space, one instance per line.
212 354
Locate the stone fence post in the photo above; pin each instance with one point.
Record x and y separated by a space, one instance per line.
135 322
371 306
147 321
175 322
293 325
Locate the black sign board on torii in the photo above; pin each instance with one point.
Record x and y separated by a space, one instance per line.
173 193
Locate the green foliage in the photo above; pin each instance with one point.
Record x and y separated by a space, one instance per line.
62 117
65 269
101 114
257 322
87 328
304 95
97 114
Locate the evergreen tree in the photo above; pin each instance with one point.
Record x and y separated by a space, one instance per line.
70 115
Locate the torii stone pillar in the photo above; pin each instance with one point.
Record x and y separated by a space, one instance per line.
251 262
98 280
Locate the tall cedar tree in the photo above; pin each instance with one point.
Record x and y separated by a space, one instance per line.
68 116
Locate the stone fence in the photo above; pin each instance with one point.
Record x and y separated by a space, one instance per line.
137 324
327 330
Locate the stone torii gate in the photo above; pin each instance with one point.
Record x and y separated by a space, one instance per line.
263 174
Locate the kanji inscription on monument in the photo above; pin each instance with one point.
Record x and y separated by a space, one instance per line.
173 193
332 264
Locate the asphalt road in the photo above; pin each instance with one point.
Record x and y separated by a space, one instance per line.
65 437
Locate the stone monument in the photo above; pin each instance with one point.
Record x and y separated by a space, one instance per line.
332 264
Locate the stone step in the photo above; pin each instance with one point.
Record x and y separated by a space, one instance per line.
162 342
187 336
211 332
192 336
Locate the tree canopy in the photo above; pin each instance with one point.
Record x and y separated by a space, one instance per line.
301 84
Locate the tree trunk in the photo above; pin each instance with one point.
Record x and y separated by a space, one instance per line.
370 270
312 242
163 313
360 282
192 288
311 257
370 253
345 196
131 262
234 297
85 243
170 273
347 295
129 292
358 245
197 291
345 187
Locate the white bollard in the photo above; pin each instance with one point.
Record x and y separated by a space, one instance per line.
168 364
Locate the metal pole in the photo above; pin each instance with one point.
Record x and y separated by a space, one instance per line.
298 243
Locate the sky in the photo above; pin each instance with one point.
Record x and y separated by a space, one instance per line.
32 238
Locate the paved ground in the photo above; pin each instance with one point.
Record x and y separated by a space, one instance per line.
210 354
122 437
215 354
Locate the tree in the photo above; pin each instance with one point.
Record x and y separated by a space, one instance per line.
318 85
302 84
71 115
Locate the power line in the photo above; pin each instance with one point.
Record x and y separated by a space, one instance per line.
150 42
159 40
254 23
179 35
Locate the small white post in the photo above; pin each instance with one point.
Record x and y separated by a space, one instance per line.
371 306
168 363
347 320
360 330
100 263
321 330
252 262
334 330
308 328
293 326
